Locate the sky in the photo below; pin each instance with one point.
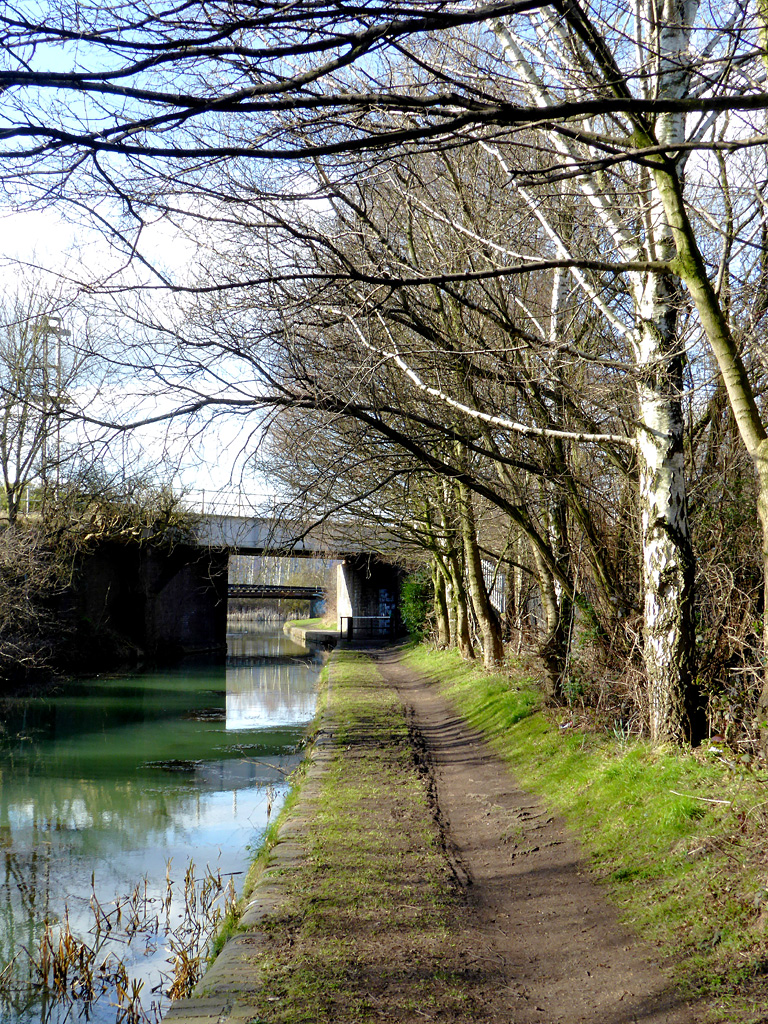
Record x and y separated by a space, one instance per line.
44 239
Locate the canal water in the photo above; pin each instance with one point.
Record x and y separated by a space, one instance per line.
126 805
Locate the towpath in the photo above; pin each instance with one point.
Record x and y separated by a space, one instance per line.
433 888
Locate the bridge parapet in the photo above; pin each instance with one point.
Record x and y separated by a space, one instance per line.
229 502
259 536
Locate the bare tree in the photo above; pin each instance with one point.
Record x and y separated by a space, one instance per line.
614 102
38 369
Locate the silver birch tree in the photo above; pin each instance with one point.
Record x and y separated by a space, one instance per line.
667 563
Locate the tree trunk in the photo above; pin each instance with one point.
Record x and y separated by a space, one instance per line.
667 558
457 610
689 264
669 639
552 649
445 614
460 615
488 620
441 607
762 508
13 496
668 562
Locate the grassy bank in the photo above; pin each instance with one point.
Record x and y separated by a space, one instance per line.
369 909
679 839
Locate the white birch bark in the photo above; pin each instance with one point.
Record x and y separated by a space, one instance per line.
688 262
668 562
668 566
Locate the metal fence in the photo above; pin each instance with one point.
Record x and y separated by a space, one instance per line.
229 502
495 584
366 627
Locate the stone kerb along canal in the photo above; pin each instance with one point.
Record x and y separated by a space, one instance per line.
127 808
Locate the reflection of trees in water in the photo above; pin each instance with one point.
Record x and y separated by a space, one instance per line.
112 776
82 817
270 644
24 896
52 846
64 968
76 819
280 691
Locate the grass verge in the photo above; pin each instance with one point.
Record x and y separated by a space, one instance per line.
364 930
678 838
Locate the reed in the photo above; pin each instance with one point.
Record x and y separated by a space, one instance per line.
65 974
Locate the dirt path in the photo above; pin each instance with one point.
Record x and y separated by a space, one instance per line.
530 909
372 910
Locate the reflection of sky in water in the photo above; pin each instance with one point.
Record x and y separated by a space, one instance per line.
260 696
114 777
267 682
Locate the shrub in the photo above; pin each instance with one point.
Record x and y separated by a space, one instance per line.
416 598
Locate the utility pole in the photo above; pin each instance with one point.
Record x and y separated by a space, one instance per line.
51 325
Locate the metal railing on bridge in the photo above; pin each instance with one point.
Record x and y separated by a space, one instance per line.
232 502
367 627
274 590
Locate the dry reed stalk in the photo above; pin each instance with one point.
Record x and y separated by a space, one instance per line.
68 973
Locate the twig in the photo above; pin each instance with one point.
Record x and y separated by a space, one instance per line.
267 764
706 799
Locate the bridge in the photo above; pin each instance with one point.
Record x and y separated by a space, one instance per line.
281 591
262 535
168 602
275 591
